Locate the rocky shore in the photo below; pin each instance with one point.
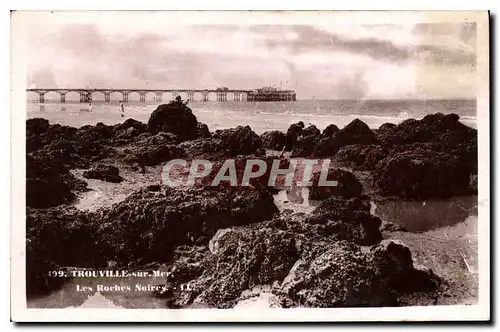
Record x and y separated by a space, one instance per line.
228 241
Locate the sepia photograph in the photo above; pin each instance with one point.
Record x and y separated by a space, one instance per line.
250 166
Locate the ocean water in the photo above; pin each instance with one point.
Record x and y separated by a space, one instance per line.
262 116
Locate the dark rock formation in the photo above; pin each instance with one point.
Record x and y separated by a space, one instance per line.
273 139
304 146
239 140
203 130
148 225
329 130
306 141
356 132
292 133
361 157
56 238
104 172
347 185
347 219
262 258
49 182
175 118
310 130
302 262
421 174
128 130
153 150
444 131
392 227
384 132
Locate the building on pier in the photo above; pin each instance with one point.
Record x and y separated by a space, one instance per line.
267 93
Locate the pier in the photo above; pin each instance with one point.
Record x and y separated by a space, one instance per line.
221 94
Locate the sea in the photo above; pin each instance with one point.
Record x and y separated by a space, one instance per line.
261 116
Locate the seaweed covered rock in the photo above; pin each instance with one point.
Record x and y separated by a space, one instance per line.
347 185
49 183
153 150
329 130
239 140
39 133
300 267
356 132
128 130
347 219
310 130
175 118
273 139
340 274
104 172
150 223
59 237
361 157
263 257
445 131
292 133
384 132
421 174
203 148
99 133
203 130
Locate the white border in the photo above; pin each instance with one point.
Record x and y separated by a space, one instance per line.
450 313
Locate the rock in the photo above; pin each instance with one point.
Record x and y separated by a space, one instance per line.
128 130
175 118
293 132
347 185
273 139
153 150
36 126
104 172
356 132
130 123
445 132
384 132
347 219
45 176
262 257
361 157
304 146
55 238
329 131
301 262
421 174
310 130
341 275
391 227
94 134
203 130
39 133
396 266
203 148
239 140
148 225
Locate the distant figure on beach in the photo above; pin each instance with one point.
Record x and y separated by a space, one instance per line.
122 110
178 99
90 107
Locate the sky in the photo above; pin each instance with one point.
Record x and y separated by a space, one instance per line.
341 60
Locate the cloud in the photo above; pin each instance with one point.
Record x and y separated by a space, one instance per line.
335 61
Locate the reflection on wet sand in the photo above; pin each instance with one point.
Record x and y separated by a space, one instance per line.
421 216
